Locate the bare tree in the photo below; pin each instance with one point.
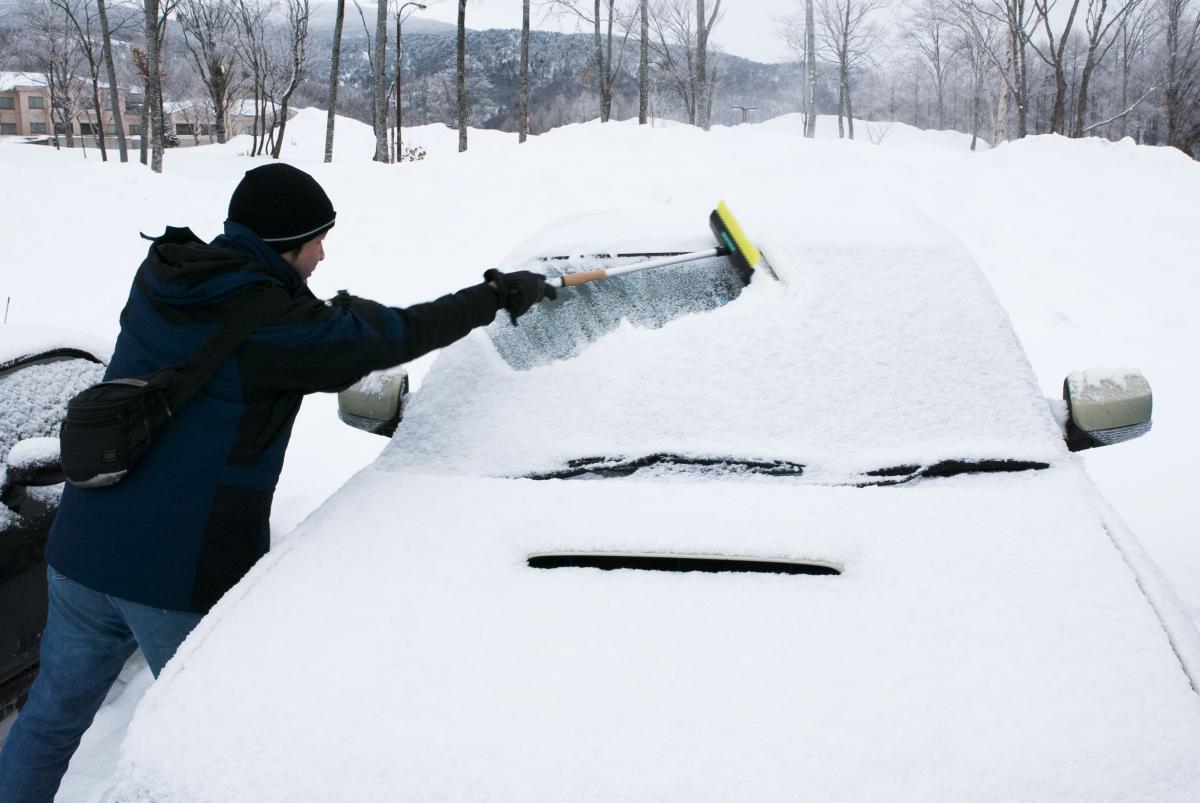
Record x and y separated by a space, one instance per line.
253 52
674 34
676 51
81 15
1131 38
51 47
1181 73
703 78
523 113
114 95
848 37
810 70
975 41
155 29
378 89
1054 53
208 35
606 22
644 63
927 30
1100 39
460 75
297 27
1008 56
334 63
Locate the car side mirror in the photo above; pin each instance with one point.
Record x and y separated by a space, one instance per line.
1106 407
34 462
375 403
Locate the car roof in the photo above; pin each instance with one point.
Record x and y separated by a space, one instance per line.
25 340
885 347
984 641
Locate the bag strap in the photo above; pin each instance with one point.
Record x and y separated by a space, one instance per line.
197 370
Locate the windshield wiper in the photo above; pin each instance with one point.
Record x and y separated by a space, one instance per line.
625 466
897 475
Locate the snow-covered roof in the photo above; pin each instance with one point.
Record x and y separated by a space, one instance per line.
21 340
12 80
885 347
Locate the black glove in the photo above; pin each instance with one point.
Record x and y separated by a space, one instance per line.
519 290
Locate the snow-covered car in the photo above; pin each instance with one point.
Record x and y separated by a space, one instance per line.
858 562
40 370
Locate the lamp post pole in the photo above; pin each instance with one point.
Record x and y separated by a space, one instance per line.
399 68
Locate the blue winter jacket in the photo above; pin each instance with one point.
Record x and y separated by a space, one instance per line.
192 518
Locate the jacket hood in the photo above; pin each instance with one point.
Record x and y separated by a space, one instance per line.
182 269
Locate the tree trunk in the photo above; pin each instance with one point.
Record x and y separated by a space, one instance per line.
110 69
144 139
841 108
99 124
601 72
523 122
846 95
154 86
702 104
644 67
334 61
810 58
283 118
1058 110
460 78
1082 103
399 97
608 75
380 116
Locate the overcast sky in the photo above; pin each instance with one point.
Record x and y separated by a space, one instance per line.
747 28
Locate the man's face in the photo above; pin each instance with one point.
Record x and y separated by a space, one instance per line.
305 258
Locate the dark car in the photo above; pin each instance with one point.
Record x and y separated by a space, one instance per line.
38 376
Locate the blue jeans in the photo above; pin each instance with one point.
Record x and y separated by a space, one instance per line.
87 640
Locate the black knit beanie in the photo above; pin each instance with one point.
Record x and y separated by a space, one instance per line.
284 206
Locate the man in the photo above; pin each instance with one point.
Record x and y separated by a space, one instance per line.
137 564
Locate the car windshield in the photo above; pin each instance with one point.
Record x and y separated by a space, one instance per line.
563 328
883 349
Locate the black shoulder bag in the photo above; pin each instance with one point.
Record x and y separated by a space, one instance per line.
111 425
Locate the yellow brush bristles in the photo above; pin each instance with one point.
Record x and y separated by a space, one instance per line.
749 252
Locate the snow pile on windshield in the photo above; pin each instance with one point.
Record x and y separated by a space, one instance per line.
884 347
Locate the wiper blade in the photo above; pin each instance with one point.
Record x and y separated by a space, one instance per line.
897 475
625 466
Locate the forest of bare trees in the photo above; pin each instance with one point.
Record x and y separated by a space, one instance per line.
996 69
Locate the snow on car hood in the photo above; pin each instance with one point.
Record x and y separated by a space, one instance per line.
886 347
985 642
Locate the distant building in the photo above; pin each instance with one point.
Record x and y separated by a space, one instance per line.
25 112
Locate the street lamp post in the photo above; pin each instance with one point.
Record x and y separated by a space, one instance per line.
399 68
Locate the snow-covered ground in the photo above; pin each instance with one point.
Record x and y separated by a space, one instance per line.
1090 246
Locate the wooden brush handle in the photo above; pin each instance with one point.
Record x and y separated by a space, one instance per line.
583 277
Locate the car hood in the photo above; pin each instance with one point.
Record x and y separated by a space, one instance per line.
985 641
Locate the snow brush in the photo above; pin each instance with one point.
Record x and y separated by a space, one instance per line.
733 244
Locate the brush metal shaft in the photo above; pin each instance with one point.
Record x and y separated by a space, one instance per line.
573 279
